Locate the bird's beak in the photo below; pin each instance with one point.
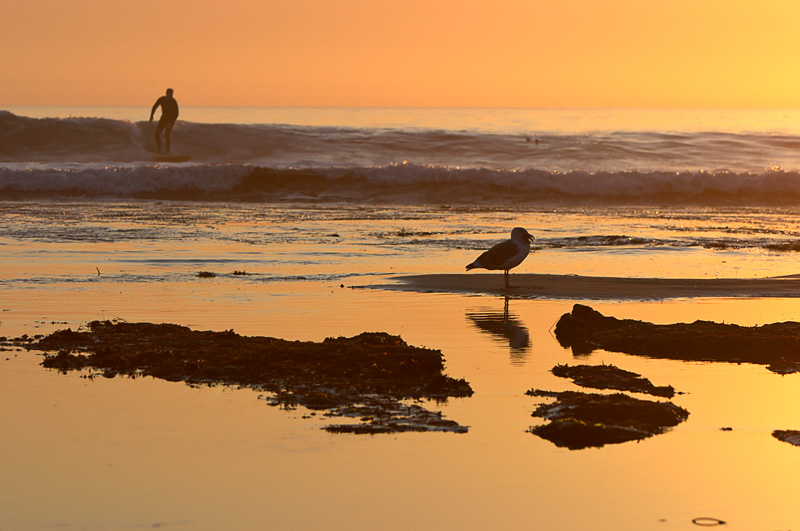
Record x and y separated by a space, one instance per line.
531 237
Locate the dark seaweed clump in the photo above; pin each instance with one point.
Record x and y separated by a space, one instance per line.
584 420
776 345
611 377
366 376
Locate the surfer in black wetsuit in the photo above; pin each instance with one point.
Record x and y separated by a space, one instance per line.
169 114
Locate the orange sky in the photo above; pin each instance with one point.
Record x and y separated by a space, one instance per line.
460 53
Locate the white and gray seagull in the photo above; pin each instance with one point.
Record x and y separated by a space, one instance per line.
506 255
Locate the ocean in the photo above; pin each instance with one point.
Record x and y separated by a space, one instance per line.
506 156
681 185
299 220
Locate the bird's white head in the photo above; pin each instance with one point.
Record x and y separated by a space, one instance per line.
518 233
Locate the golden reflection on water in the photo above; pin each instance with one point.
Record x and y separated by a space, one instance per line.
507 328
126 453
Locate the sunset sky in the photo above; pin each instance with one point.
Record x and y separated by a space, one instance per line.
452 53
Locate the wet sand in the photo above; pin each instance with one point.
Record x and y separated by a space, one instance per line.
607 288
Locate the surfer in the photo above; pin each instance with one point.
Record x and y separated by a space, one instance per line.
169 114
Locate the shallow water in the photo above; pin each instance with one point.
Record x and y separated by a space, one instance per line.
122 453
145 241
129 453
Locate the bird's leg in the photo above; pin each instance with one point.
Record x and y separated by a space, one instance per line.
505 273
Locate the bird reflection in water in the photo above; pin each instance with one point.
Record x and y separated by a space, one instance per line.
504 327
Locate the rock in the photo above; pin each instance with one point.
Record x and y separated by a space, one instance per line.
586 329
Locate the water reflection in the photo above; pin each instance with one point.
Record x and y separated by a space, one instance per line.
505 327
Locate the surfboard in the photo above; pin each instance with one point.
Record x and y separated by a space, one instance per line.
172 158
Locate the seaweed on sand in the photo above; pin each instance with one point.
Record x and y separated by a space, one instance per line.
584 420
585 330
367 376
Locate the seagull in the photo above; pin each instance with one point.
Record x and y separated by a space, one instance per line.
507 254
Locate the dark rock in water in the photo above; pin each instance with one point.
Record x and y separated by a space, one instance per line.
586 329
789 436
577 434
584 420
374 370
611 377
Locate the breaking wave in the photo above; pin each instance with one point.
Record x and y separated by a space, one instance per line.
404 183
104 158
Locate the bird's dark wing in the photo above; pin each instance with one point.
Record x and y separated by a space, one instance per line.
495 257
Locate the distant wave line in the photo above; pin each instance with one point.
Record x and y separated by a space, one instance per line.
63 141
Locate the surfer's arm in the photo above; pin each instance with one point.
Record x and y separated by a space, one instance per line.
155 106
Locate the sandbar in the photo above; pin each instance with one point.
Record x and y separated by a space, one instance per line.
529 285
